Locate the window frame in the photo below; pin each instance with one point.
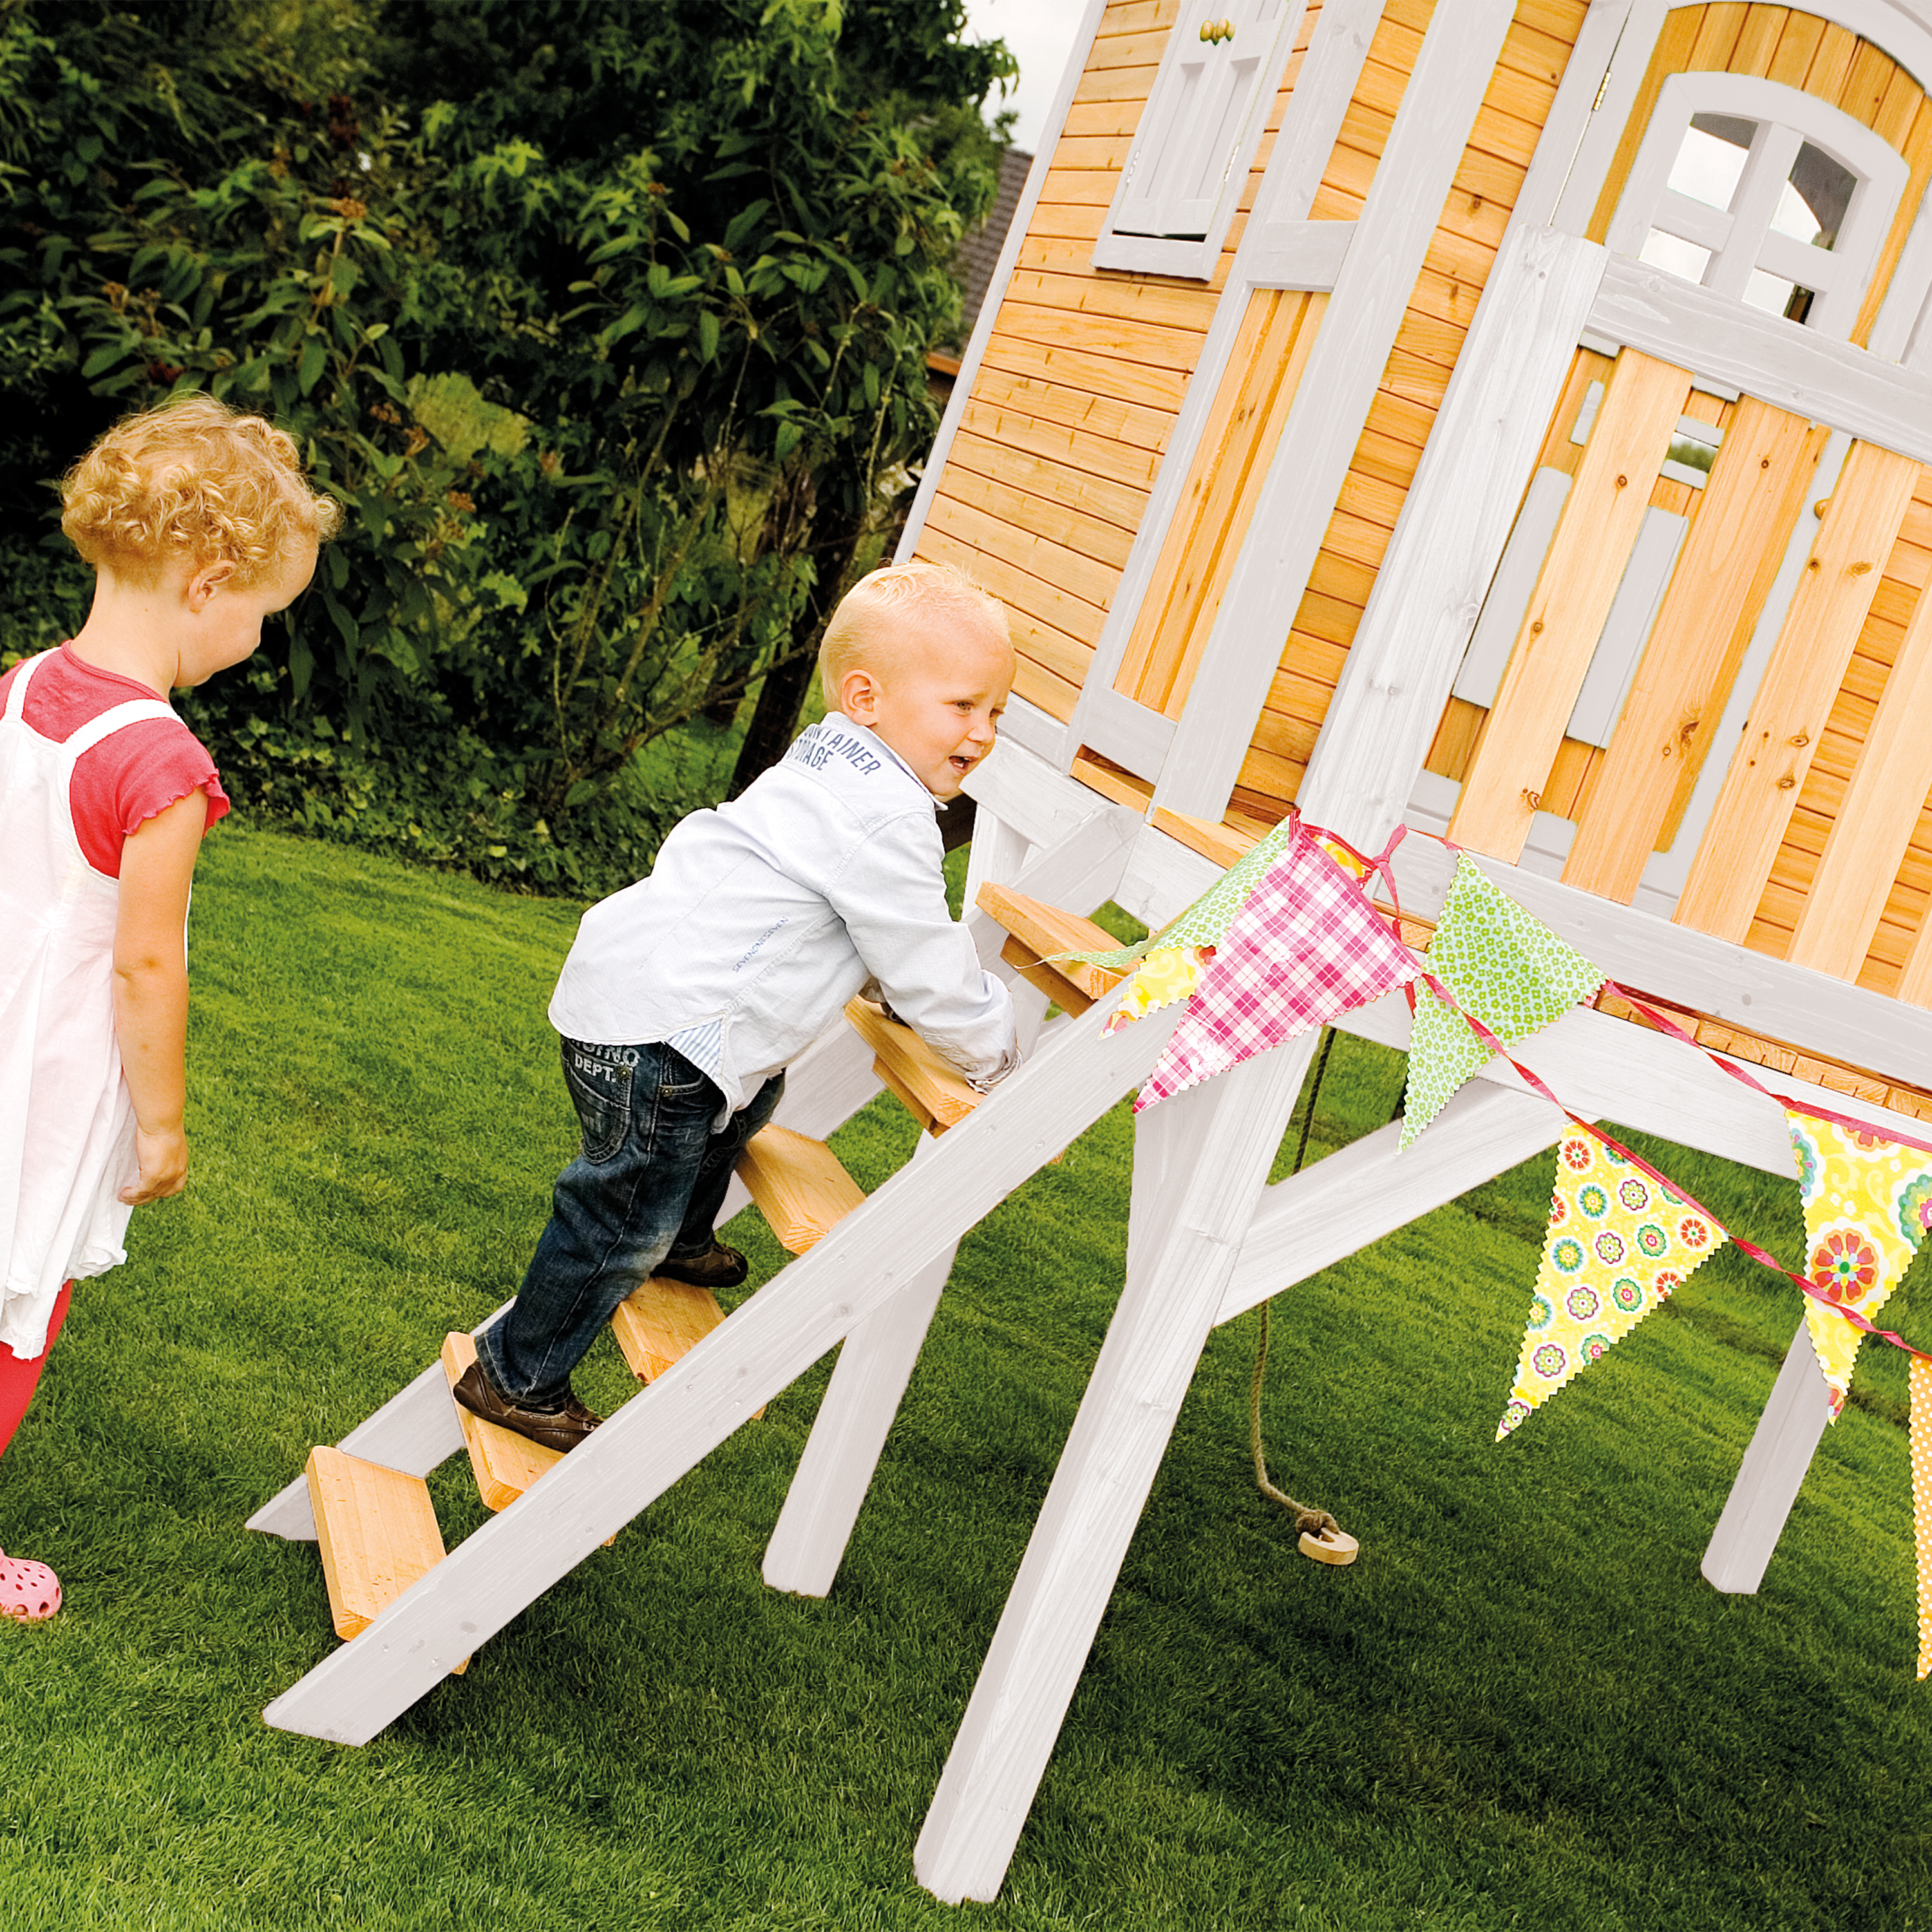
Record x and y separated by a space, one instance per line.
1742 239
1194 257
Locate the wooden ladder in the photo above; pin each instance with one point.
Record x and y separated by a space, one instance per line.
377 1527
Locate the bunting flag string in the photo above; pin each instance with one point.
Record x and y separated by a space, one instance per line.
1307 945
1504 965
1921 1500
1290 937
1619 1242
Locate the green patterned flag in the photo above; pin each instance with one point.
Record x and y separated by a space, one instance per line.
1503 966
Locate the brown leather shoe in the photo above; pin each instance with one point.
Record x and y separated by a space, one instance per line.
718 1267
561 1429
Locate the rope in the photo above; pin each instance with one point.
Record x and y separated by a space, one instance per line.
1312 1521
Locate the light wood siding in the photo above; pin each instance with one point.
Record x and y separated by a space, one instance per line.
1487 182
1799 50
1083 376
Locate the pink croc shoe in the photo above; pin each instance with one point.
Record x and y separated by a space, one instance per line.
30 1591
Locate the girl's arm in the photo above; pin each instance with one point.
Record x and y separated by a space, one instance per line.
150 988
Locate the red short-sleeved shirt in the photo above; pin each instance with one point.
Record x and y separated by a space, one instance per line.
128 777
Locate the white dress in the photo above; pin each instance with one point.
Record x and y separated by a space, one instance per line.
66 1121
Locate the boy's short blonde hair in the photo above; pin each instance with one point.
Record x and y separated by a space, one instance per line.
192 481
872 616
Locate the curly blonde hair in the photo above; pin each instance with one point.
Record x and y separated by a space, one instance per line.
873 617
192 481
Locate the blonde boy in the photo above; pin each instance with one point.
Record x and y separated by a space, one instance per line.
686 994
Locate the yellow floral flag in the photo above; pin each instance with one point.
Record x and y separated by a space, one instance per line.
1165 976
1618 1244
1866 1199
1921 1500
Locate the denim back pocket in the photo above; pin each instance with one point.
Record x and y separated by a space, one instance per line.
599 1078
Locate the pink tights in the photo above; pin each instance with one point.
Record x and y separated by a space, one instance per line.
18 1379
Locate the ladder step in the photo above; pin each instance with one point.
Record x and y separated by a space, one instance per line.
1039 929
505 1465
937 1094
656 1323
378 1532
799 1186
661 1321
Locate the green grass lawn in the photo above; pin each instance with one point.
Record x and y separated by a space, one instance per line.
1522 1707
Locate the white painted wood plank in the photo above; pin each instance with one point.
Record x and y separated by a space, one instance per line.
1336 49
1787 1436
1329 72
759 1351
1813 1011
1133 735
1299 255
1305 477
1163 878
415 1431
875 1363
1781 362
998 854
1029 793
1002 277
1826 1016
1600 703
1199 1161
1895 335
1607 1070
1506 605
1433 581
1025 724
1368 1188
1576 199
1557 146
1078 873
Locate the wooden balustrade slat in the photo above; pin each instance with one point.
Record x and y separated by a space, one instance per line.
1501 794
1813 650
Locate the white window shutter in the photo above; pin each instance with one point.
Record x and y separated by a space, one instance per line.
1203 102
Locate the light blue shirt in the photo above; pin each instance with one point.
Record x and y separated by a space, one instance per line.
763 916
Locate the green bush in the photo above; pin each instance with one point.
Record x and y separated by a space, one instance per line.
605 319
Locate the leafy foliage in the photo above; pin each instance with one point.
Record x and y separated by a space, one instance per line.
605 319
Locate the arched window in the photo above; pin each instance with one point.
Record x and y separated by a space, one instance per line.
1757 190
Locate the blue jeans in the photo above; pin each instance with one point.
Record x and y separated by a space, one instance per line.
648 1184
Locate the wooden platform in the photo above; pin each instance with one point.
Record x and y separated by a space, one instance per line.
661 1321
798 1186
378 1534
1038 930
505 1464
936 1095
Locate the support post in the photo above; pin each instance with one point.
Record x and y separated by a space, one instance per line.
1771 1473
875 1363
1200 1161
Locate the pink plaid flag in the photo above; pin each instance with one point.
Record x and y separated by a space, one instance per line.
1306 946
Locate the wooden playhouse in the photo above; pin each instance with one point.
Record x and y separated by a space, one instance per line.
1507 417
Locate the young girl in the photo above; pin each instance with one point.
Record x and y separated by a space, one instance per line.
199 523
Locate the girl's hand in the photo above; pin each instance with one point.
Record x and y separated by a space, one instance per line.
164 1159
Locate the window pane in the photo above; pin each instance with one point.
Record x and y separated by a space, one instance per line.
1777 296
1812 206
1712 158
1672 252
